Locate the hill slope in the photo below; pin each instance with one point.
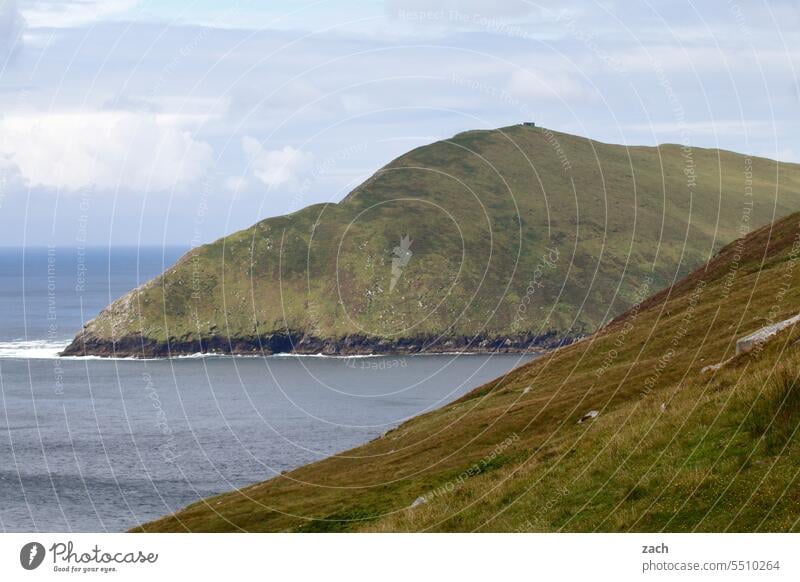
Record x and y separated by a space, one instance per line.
673 448
500 239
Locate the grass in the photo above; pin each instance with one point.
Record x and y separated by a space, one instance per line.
673 448
483 209
775 416
339 522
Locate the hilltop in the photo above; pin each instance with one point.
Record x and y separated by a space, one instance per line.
506 239
654 423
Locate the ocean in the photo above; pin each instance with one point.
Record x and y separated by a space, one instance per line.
89 445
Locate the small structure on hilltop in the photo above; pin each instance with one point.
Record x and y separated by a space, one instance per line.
529 123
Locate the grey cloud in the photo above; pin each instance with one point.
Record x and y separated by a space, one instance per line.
384 93
11 27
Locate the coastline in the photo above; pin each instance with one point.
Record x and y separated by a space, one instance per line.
297 343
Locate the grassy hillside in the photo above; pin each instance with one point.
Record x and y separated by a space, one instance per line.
520 233
672 448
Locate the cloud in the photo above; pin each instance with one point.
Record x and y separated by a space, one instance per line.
478 8
686 59
180 111
9 177
274 168
356 104
73 13
11 27
714 127
236 183
106 150
550 87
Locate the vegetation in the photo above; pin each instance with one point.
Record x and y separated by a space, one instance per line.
519 233
676 446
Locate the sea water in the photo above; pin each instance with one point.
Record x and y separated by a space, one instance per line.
90 444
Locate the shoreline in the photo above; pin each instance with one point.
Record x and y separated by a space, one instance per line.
86 345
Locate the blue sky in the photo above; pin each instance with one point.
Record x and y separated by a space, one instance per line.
138 122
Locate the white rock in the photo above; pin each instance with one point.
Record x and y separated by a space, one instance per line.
747 343
711 368
419 501
589 416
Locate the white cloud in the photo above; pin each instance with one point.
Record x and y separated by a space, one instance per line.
73 13
9 177
480 8
356 104
686 59
11 26
735 127
552 86
274 168
102 149
180 111
236 183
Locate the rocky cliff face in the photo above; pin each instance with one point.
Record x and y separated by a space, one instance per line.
298 343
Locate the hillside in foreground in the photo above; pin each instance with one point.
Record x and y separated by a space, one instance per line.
491 240
687 435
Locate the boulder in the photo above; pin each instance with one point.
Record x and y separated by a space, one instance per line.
749 342
419 501
712 367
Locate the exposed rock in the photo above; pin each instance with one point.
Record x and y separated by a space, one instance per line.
86 343
713 367
592 414
747 343
419 501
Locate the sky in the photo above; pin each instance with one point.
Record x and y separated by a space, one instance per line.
128 122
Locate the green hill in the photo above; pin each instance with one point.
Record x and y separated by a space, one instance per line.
672 447
516 237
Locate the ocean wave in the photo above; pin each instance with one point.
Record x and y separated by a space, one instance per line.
31 349
328 356
47 350
50 350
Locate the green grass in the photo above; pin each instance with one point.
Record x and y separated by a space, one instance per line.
339 522
482 209
673 449
776 413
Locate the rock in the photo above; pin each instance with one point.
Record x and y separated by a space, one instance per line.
300 342
663 407
712 367
527 389
748 342
589 416
419 501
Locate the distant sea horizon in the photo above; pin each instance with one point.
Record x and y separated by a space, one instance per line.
47 293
